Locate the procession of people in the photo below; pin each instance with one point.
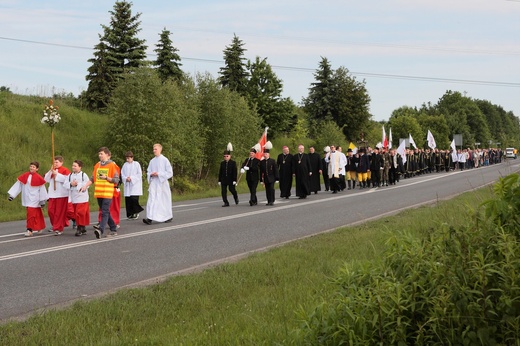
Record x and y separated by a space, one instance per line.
362 168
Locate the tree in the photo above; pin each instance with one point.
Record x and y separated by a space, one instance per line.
234 74
118 52
318 104
144 111
464 117
226 117
338 96
403 126
168 61
264 91
350 103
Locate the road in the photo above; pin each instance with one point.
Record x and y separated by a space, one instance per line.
46 271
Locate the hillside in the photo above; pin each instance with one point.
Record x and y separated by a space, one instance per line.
77 137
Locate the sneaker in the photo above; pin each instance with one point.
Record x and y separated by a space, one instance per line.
117 226
97 233
113 234
78 233
169 220
147 221
58 232
83 231
136 216
50 230
96 226
28 233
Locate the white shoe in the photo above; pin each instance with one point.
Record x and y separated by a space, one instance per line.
58 232
28 233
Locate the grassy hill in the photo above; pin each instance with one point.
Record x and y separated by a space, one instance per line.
77 137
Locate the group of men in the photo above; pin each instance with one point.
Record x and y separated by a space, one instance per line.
364 168
68 199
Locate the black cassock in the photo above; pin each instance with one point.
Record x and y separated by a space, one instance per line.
316 166
285 169
302 167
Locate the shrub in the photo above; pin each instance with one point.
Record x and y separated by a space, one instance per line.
454 287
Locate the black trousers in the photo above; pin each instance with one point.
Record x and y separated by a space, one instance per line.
269 192
233 191
252 185
132 205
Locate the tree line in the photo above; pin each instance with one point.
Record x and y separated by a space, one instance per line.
195 116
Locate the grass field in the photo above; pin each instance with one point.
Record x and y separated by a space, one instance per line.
260 300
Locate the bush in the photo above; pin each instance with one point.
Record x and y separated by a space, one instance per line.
455 287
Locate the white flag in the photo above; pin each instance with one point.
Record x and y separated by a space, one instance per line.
431 140
412 142
390 139
402 150
454 156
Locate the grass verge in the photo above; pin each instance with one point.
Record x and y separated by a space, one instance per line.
259 300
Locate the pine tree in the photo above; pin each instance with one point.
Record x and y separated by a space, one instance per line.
318 103
264 92
234 75
118 52
168 61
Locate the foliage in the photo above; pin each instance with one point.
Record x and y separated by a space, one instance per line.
336 95
464 117
118 52
168 61
459 286
329 134
144 111
403 125
225 117
264 90
503 210
234 74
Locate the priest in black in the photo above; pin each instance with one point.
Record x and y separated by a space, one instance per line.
302 173
316 169
285 162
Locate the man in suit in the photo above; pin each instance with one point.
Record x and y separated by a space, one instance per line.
227 176
250 167
269 174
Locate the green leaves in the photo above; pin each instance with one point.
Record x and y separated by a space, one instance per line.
458 286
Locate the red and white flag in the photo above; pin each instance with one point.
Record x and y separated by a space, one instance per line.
384 139
262 141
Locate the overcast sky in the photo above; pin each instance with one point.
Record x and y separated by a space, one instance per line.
409 52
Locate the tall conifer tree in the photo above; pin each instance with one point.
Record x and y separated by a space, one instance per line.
118 52
168 61
234 74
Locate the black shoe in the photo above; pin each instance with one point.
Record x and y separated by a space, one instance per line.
147 221
225 205
97 233
78 233
96 226
236 201
255 203
250 203
169 220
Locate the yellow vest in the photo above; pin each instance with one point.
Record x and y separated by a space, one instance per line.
103 188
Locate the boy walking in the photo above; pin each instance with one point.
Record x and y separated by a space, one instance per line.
104 177
34 195
75 182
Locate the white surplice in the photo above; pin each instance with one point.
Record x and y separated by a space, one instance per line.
159 204
135 186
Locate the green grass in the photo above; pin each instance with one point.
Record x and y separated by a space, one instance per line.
260 300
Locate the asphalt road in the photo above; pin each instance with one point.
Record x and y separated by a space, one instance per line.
46 271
